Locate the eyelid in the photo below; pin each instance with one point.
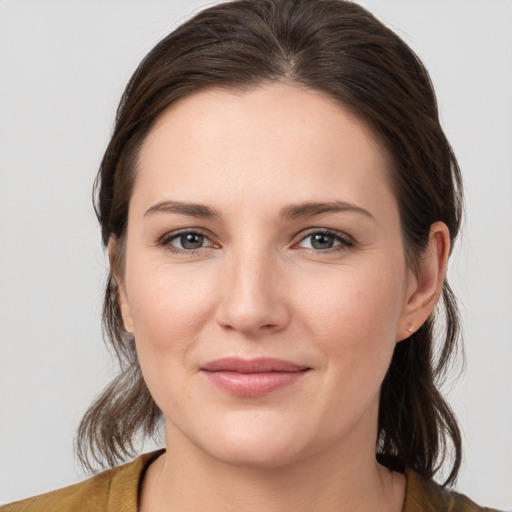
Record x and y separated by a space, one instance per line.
165 240
344 239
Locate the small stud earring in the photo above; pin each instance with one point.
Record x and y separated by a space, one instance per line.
410 330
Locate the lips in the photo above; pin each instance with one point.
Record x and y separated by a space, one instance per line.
254 377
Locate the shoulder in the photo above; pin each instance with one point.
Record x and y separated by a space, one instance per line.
112 490
424 495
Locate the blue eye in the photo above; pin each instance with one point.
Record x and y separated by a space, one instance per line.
324 240
186 241
191 241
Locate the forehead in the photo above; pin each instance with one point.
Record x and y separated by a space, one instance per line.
277 141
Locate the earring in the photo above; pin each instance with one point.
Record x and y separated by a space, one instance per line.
410 329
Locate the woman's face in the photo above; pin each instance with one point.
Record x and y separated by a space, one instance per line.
264 279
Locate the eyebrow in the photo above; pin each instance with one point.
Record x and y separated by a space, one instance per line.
292 211
190 209
311 209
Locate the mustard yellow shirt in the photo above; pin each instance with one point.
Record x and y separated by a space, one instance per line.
117 490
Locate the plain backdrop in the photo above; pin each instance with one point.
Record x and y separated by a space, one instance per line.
64 64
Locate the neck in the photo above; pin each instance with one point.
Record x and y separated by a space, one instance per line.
338 479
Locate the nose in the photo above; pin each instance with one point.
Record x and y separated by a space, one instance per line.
253 298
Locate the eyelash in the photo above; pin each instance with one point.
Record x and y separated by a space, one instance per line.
166 240
344 241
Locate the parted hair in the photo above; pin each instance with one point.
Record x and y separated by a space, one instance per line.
339 48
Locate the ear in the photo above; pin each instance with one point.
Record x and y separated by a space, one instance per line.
425 286
118 281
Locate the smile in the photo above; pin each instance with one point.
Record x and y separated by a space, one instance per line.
252 378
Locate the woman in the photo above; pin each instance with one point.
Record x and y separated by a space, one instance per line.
279 203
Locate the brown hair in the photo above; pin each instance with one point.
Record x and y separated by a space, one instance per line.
339 48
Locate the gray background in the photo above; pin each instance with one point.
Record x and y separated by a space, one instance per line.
63 67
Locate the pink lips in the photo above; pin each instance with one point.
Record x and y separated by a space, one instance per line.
252 378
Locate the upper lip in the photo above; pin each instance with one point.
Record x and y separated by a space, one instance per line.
258 365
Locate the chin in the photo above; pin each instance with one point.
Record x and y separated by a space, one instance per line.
256 444
255 454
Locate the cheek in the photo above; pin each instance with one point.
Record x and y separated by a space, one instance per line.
161 296
169 310
169 307
357 305
353 322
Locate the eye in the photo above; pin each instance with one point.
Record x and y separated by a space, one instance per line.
325 240
186 241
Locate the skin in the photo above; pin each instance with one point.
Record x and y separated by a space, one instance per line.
259 287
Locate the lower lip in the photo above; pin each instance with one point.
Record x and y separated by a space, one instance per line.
252 384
